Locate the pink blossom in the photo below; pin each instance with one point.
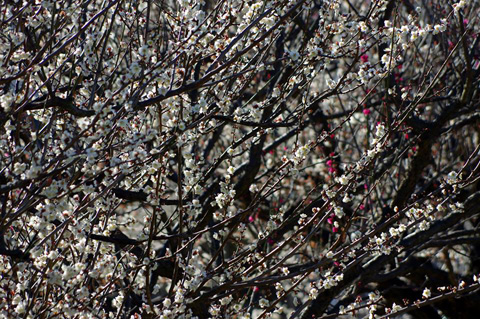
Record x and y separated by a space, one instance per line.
330 219
451 45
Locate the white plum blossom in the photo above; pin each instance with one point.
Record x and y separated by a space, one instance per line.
263 303
426 293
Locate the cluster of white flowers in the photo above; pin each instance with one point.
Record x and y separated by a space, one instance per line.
225 197
127 127
396 307
301 154
6 101
452 178
459 5
343 180
396 231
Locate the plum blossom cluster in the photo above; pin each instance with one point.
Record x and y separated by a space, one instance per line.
238 159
